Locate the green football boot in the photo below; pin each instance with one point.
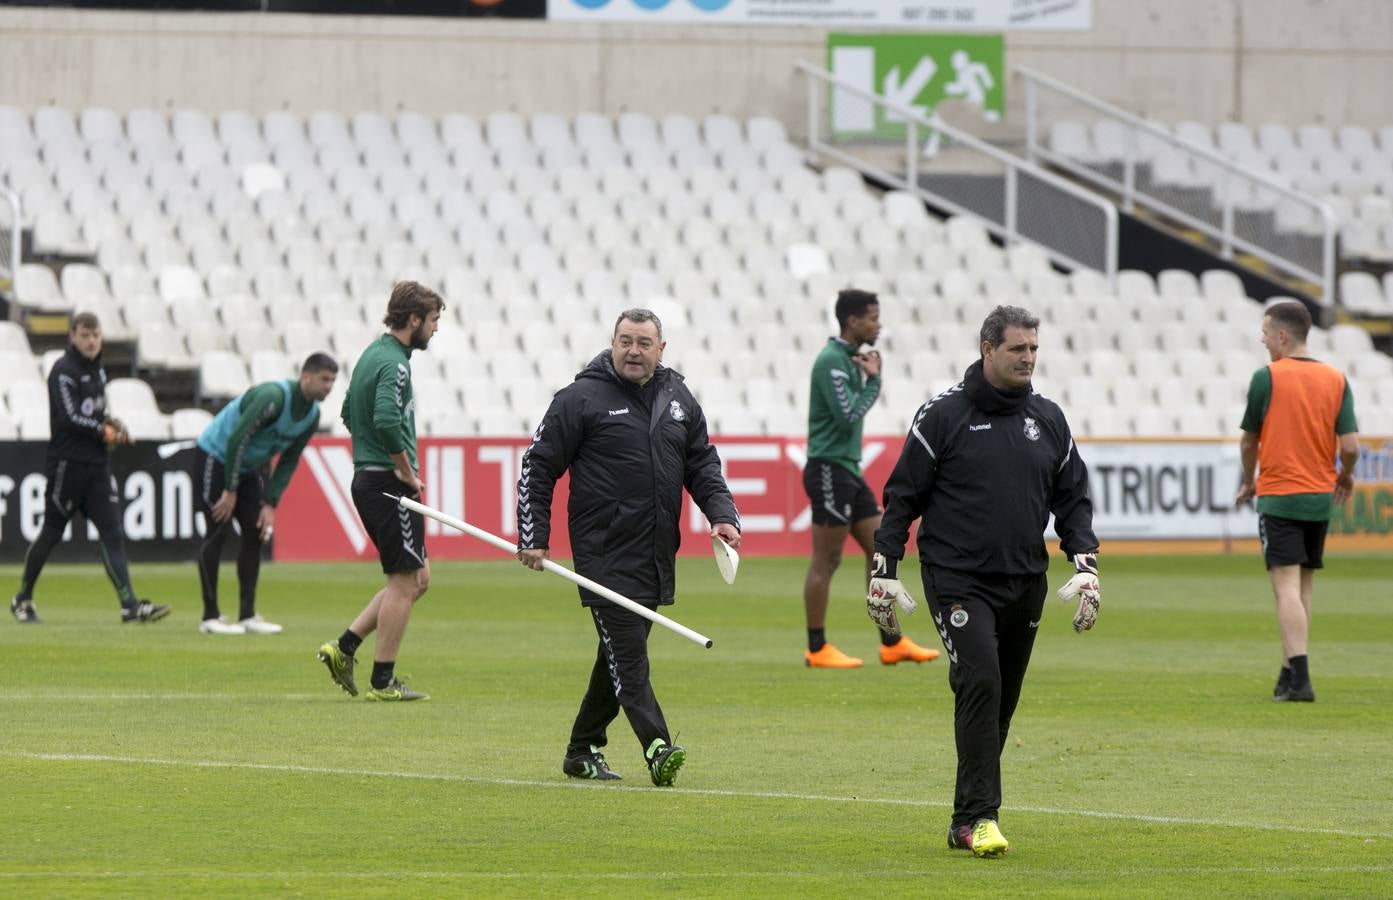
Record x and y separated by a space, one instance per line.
340 666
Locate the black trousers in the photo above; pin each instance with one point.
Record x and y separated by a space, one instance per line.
88 488
988 625
209 476
619 680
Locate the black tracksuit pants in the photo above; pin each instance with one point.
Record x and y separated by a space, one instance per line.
988 625
619 680
208 475
88 488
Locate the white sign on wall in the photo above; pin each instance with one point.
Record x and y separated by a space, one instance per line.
1164 491
988 15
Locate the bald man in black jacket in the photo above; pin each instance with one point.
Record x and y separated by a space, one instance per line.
632 436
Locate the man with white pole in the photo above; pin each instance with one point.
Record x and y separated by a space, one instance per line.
632 436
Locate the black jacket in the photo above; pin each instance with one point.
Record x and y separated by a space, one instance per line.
630 451
77 408
985 469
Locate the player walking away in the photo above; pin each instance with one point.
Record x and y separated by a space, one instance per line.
632 436
845 385
985 464
380 413
275 418
1299 413
79 476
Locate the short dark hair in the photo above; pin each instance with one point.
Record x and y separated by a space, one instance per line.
853 302
1291 316
640 315
410 298
998 320
84 320
319 362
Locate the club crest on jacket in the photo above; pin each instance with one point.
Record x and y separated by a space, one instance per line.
676 409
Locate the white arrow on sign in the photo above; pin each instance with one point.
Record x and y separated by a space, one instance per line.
905 93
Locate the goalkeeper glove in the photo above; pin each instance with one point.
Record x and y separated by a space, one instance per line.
114 431
1084 586
885 592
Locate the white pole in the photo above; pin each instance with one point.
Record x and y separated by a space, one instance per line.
556 569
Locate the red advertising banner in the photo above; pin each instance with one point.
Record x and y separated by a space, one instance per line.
1149 496
476 479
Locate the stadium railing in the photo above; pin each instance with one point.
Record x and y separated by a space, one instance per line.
1015 198
1230 203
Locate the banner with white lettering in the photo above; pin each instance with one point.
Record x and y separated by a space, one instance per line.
1166 491
154 483
1161 490
985 15
476 479
1145 490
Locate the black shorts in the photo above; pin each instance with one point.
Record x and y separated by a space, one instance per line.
399 534
1292 542
838 497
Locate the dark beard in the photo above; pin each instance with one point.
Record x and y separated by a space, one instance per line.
419 339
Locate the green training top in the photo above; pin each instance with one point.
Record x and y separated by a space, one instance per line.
379 409
260 407
1303 507
840 398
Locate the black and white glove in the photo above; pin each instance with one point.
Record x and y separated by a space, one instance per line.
1084 586
886 592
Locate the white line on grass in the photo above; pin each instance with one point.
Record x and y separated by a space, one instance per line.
694 792
645 876
41 697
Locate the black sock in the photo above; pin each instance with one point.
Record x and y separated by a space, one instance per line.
887 639
1284 677
1300 677
382 673
817 639
349 642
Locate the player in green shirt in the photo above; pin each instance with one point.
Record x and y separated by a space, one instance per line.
380 413
277 418
845 385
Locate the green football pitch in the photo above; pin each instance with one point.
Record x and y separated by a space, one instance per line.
1146 758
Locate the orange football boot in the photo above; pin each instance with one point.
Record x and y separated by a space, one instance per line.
905 651
830 657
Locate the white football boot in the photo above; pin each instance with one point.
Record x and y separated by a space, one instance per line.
258 625
220 626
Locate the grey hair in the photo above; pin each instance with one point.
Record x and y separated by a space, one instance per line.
998 320
640 315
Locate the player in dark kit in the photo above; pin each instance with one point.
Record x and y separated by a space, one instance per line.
79 473
986 463
633 438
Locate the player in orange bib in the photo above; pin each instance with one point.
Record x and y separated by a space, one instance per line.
1300 415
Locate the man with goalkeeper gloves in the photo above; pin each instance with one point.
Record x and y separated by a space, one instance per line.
78 473
985 464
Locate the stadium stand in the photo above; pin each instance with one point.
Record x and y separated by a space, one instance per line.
232 246
1350 168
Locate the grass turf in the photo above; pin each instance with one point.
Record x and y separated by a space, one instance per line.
1146 758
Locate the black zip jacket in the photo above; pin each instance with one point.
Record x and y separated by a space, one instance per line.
630 451
985 469
77 408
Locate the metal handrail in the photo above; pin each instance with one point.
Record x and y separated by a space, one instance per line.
1130 195
915 120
